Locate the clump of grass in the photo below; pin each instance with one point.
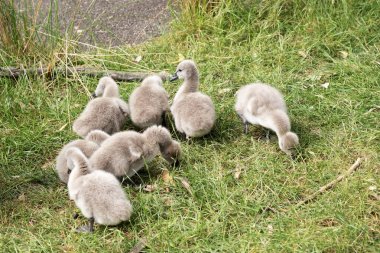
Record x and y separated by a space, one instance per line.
26 38
294 45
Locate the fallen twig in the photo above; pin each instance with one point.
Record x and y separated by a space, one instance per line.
12 72
332 183
139 246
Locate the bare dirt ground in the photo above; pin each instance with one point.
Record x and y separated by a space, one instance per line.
109 22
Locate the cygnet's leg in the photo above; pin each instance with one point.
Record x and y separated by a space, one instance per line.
87 228
91 220
267 135
245 127
245 123
163 122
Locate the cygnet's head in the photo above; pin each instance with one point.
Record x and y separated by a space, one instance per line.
152 79
288 142
72 155
104 82
185 70
76 160
171 152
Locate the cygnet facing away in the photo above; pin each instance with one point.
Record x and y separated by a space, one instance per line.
148 103
97 194
107 113
87 146
126 152
193 111
264 105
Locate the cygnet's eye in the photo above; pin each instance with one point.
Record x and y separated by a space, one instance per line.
179 70
68 171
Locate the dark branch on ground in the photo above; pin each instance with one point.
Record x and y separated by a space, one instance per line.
13 72
139 246
330 185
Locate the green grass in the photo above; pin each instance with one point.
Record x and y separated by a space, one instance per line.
294 45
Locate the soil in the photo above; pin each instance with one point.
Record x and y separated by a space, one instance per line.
109 22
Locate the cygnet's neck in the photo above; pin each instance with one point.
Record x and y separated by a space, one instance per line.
80 169
276 120
282 122
107 87
111 90
191 82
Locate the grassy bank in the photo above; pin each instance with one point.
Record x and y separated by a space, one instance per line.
295 45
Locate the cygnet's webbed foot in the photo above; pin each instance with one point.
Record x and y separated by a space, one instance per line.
267 135
182 136
177 163
87 228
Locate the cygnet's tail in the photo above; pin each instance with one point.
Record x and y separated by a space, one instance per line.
158 134
107 87
81 127
76 159
152 79
97 136
288 141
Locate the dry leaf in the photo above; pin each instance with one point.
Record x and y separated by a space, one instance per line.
186 185
325 85
168 202
376 108
329 222
372 188
302 54
343 54
166 177
150 188
181 57
225 90
270 229
48 164
62 127
31 222
22 197
129 235
374 196
314 77
22 105
237 172
138 58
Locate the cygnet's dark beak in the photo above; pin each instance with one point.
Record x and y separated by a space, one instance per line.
173 77
93 95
